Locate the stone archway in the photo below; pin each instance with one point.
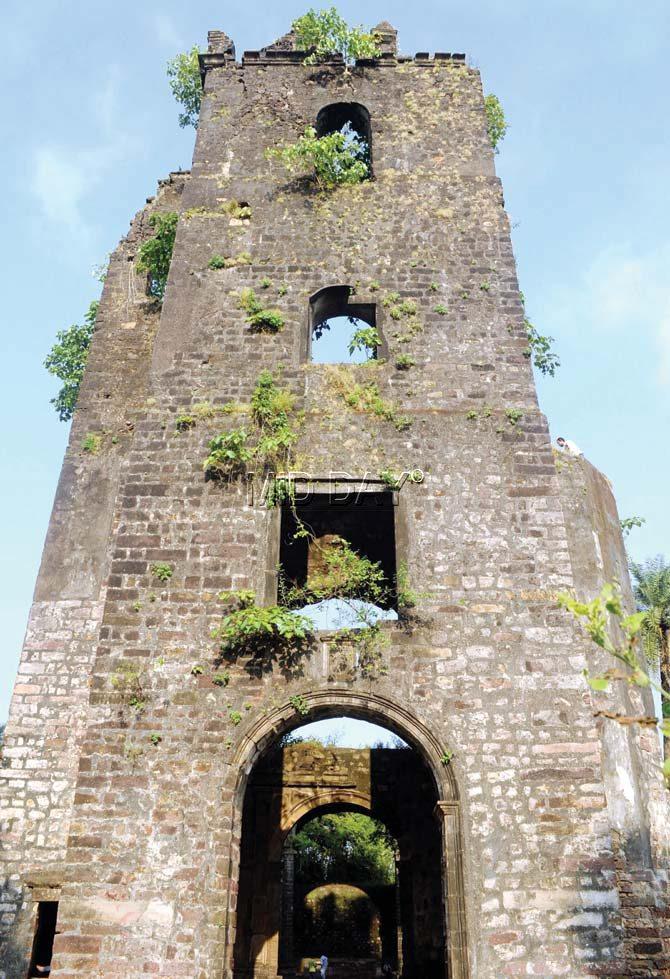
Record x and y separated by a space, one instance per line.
399 720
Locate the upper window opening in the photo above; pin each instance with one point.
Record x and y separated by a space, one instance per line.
353 121
342 332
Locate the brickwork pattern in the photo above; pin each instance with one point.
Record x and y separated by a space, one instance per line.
564 849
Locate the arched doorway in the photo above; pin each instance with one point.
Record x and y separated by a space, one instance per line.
278 787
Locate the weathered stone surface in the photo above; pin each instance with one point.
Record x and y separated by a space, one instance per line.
554 826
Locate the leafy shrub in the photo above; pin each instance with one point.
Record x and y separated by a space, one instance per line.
222 262
67 360
154 256
228 453
325 33
92 443
299 703
251 628
539 348
161 571
340 573
404 362
331 160
271 408
184 76
260 319
496 126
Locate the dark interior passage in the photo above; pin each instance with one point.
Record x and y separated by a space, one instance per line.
288 909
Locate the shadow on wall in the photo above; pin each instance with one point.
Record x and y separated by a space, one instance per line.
341 918
622 911
13 960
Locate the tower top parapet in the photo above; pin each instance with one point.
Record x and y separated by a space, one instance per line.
221 50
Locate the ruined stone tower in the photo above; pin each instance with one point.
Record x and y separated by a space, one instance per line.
132 749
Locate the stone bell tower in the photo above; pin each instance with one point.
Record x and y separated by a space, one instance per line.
133 741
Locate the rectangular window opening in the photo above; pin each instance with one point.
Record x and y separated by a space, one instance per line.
338 558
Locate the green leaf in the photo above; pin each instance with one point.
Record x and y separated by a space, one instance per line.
184 76
599 683
633 623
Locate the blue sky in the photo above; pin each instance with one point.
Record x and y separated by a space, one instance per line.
90 126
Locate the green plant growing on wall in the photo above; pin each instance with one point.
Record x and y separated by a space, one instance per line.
259 318
366 339
325 32
228 453
440 309
539 348
183 73
343 573
403 362
496 125
155 254
601 619
391 479
272 409
161 571
221 679
237 210
365 398
513 416
272 631
67 359
299 704
92 443
126 679
408 597
330 160
229 262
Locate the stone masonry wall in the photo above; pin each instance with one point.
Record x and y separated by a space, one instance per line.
492 667
49 710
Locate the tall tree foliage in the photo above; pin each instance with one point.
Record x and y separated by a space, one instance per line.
183 73
347 847
652 593
67 360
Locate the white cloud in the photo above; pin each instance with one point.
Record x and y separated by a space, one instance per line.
63 175
167 33
622 291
